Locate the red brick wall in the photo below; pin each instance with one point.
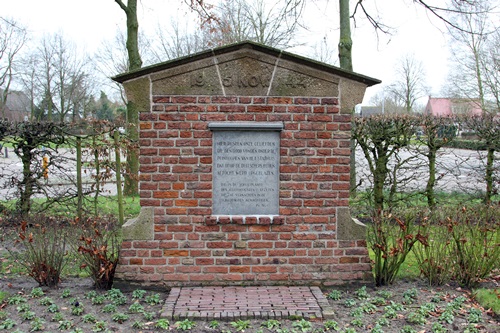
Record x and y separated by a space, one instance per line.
191 247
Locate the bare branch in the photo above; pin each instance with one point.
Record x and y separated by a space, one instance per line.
458 7
373 21
122 5
203 9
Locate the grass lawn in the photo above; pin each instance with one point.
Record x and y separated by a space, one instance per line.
106 205
489 299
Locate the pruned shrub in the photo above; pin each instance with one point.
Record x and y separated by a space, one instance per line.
42 249
27 138
391 239
98 241
476 236
434 258
381 138
463 245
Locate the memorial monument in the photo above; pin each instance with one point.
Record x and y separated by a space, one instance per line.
244 171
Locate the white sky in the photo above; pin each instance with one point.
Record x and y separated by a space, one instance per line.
90 22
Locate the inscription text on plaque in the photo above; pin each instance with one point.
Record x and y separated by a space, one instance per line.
246 172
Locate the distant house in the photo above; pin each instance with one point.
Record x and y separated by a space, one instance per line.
366 111
17 107
445 107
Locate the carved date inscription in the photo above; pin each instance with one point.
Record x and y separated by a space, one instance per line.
245 81
235 80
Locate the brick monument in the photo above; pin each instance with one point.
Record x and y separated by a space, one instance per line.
244 171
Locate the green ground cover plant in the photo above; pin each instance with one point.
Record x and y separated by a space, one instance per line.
271 324
241 325
185 325
302 325
214 324
162 323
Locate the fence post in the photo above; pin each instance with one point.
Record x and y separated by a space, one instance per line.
116 137
79 176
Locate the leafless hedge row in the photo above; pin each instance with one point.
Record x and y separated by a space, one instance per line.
398 156
59 162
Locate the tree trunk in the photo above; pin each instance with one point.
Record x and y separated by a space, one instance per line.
429 189
135 61
26 186
49 107
131 186
345 42
79 185
345 60
118 163
97 164
379 175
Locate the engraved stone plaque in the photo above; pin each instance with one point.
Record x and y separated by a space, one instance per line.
246 172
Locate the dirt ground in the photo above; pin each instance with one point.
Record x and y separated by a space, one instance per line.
406 306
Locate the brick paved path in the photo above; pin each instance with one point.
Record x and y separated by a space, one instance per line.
233 303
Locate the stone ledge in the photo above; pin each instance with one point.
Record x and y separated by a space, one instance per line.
245 219
349 229
141 227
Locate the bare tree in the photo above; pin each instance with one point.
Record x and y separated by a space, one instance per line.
324 51
468 7
176 40
273 23
468 50
475 76
112 59
491 61
385 102
44 55
28 80
409 85
276 24
12 38
80 93
70 79
55 75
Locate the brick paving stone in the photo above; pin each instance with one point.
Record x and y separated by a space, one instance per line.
233 303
